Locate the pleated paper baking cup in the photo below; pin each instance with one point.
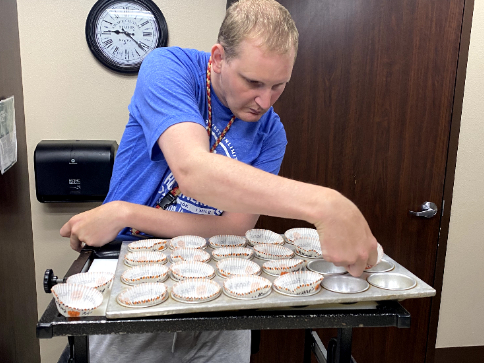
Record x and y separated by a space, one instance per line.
98 280
281 267
188 241
308 247
143 295
189 254
74 300
153 244
301 283
256 236
266 251
237 266
227 252
145 273
144 257
191 270
227 241
296 233
195 291
379 249
247 287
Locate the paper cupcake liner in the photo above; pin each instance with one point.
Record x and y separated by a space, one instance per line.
237 266
191 270
227 241
74 300
248 287
280 267
143 295
189 254
237 252
153 244
145 273
144 257
98 280
295 233
257 236
195 291
300 283
188 241
267 251
308 247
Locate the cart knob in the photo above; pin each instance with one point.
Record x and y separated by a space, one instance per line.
50 280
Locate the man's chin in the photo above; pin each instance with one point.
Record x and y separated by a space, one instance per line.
249 116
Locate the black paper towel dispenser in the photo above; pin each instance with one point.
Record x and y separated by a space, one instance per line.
73 170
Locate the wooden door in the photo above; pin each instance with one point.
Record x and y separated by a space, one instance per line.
368 113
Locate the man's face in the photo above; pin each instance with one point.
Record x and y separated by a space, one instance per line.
253 81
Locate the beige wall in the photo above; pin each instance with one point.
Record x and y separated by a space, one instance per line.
69 95
461 320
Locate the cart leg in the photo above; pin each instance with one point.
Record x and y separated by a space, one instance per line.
79 349
339 349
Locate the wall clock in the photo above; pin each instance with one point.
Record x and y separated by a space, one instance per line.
121 33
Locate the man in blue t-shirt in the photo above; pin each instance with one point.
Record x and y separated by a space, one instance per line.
203 139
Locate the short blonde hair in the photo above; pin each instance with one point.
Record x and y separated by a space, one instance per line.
266 21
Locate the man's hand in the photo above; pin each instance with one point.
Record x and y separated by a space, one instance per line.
346 239
95 227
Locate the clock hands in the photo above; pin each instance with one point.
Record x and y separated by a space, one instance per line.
130 37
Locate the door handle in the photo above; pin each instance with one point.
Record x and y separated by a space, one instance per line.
429 210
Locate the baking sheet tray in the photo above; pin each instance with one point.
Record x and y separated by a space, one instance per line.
273 300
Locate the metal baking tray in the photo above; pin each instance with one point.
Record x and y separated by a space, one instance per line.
273 300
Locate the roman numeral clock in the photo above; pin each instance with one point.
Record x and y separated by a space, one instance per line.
121 33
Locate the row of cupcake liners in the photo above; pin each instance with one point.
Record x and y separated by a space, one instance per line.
287 245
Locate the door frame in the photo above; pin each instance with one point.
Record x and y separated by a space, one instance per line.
449 176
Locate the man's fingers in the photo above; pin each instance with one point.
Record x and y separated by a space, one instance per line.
65 231
357 268
76 244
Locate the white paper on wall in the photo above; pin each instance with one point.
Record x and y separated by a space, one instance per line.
8 135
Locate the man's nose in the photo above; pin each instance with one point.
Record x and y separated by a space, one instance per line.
263 99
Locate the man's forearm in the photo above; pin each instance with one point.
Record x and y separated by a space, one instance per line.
169 224
234 186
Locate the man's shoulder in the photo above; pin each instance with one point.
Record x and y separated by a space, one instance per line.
177 55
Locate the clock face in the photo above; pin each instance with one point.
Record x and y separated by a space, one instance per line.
121 33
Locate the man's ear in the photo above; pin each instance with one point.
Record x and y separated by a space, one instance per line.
218 57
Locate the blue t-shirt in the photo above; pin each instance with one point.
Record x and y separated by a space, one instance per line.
171 88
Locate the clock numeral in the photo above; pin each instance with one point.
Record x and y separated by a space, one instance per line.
147 34
145 46
115 50
126 54
116 15
107 22
143 24
108 43
139 55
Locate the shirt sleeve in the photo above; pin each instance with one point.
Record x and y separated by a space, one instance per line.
273 147
165 94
